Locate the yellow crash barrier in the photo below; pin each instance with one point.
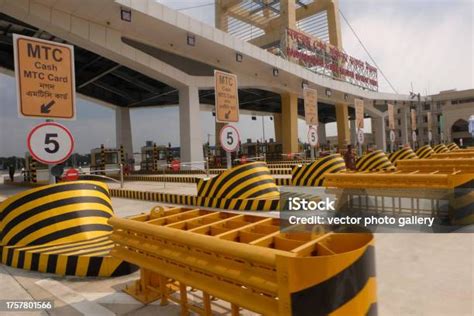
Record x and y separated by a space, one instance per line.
247 262
455 187
466 165
60 229
454 154
452 146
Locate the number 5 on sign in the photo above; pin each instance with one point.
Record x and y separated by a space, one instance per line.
229 138
50 143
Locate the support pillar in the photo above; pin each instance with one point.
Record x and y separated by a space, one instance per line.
289 122
190 125
353 133
404 126
277 125
378 130
123 131
342 118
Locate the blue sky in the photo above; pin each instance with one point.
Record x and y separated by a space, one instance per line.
427 43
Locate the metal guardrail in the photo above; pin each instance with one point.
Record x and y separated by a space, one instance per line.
120 170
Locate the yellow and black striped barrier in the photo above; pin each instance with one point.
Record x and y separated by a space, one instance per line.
465 165
402 154
33 171
374 161
60 229
424 152
248 262
247 181
235 204
441 148
314 173
280 171
157 178
283 181
455 154
452 146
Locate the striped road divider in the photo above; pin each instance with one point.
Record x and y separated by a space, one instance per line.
374 161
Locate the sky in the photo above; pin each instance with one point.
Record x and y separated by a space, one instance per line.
427 44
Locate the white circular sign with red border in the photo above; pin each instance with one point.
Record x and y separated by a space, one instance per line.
313 137
230 138
50 143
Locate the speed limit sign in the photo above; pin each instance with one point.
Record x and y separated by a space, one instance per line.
230 138
360 136
50 143
392 136
313 137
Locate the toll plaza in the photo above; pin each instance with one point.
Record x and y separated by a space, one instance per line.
203 229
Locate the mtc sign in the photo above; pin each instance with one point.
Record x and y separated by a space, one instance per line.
45 78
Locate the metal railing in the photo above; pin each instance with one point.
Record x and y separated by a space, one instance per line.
92 173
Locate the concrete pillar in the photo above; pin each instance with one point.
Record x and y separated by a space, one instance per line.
221 18
123 131
287 20
334 24
322 134
404 111
190 125
378 128
277 125
289 122
353 133
342 118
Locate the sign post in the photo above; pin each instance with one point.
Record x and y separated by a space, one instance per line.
44 73
311 116
313 139
429 121
359 115
227 104
391 124
51 144
230 140
413 127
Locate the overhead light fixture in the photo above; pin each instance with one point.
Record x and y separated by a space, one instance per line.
191 39
254 118
126 14
275 72
213 113
271 118
304 84
328 92
346 97
239 57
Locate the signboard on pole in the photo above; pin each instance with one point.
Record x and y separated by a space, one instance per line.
313 137
392 136
391 117
45 78
230 138
50 143
359 113
311 106
226 97
429 120
413 119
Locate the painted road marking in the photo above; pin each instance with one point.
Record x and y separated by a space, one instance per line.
73 298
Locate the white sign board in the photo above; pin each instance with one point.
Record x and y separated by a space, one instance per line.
230 138
413 136
430 136
50 143
313 137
